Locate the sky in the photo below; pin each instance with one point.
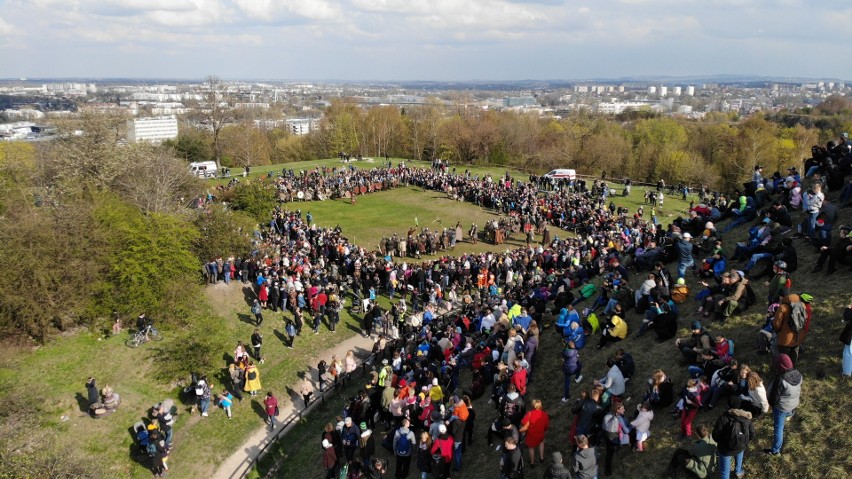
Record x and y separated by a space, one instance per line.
440 40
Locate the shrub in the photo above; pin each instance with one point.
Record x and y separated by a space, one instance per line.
255 197
197 347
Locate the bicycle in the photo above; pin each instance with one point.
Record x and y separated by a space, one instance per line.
139 339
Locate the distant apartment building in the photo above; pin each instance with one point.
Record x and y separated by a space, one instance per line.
153 130
513 101
302 126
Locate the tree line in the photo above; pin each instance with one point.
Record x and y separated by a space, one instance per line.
719 150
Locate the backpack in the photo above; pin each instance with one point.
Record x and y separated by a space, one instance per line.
611 424
151 449
403 445
731 348
737 437
519 346
252 375
798 316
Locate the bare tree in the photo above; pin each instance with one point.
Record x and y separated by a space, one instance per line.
218 111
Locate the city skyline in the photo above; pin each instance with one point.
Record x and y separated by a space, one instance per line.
436 40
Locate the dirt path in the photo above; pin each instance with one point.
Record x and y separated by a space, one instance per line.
235 466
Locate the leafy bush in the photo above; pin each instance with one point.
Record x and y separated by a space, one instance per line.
256 198
222 232
197 347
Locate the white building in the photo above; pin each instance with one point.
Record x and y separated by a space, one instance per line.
652 90
676 91
664 90
690 90
302 126
154 130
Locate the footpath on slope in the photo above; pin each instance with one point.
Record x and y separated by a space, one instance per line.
234 467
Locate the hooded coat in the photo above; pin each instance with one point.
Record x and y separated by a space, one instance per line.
557 469
786 390
723 429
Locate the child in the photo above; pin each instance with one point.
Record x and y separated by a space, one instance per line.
226 400
691 399
642 425
290 328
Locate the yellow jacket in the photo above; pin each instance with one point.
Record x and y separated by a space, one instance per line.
619 327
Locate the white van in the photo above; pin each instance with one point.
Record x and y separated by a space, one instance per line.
562 174
203 169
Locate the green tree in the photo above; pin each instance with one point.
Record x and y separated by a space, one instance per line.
257 198
151 266
222 232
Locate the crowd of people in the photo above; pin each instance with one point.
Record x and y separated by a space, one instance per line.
481 316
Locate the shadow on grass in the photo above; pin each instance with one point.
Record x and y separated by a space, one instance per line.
247 318
82 402
249 295
285 340
258 408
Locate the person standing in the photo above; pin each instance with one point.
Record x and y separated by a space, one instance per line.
257 310
238 377
252 379
732 432
616 430
684 254
329 459
557 469
442 447
404 443
290 329
306 388
511 461
535 424
846 339
270 405
204 397
784 395
257 342
571 367
585 461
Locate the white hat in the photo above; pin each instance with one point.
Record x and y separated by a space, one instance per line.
434 381
326 444
348 421
687 236
442 429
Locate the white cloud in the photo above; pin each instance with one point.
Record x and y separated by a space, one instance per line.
5 28
428 38
278 10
